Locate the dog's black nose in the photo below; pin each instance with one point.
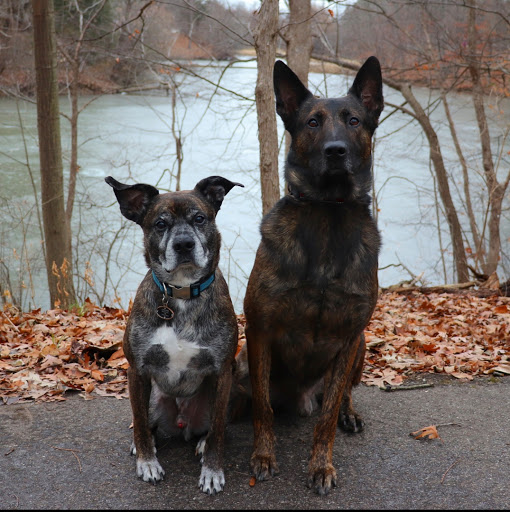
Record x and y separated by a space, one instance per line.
335 149
183 244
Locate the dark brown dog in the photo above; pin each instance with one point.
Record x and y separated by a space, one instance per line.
314 286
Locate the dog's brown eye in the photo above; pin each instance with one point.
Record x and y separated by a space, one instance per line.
199 219
354 121
160 224
313 123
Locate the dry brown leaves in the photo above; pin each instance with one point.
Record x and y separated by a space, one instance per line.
42 355
45 354
460 335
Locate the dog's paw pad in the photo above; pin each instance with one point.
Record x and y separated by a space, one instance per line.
211 481
150 470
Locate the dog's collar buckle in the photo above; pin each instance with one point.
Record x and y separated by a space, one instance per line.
178 292
183 292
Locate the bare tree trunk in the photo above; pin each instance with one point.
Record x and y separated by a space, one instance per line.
459 255
264 35
496 190
58 255
478 241
298 37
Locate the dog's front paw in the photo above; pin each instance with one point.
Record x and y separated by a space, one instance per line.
150 470
211 481
322 479
263 466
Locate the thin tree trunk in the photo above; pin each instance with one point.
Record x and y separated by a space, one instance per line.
58 256
478 242
459 255
298 37
496 191
264 35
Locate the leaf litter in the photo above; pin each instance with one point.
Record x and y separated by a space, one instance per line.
43 355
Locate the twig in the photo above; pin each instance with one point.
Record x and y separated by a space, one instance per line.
451 466
388 387
69 450
10 451
9 320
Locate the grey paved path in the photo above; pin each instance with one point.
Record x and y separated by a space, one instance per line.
382 468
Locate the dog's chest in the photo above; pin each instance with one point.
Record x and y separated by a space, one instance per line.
178 350
176 364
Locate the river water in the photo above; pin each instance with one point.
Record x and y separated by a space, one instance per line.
130 138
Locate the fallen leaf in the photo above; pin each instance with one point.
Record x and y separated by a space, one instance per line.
429 432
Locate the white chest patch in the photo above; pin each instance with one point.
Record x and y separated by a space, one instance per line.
179 350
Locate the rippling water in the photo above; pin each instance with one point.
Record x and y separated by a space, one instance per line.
129 137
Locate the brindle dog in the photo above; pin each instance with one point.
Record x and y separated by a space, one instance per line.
314 286
181 336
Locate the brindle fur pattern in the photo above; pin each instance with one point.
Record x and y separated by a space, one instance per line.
314 286
180 369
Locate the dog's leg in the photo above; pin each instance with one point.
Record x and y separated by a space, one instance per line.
321 473
263 460
212 478
349 420
147 465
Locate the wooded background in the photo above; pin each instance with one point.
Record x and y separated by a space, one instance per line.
55 50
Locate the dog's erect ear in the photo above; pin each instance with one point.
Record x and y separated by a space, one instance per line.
367 86
133 199
290 93
215 188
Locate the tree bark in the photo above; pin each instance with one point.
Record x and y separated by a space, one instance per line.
298 37
264 35
459 254
56 232
496 191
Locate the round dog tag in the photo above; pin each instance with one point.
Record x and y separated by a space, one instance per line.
164 312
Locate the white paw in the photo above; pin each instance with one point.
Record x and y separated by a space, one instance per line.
200 449
149 470
211 481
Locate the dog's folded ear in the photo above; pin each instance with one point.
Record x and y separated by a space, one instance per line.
290 93
215 188
367 86
133 199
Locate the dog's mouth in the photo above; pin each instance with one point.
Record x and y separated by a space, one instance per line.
182 266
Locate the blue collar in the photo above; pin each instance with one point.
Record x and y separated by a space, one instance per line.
184 292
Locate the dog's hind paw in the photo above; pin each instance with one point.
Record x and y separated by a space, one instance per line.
150 470
352 422
263 466
322 479
200 449
211 481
